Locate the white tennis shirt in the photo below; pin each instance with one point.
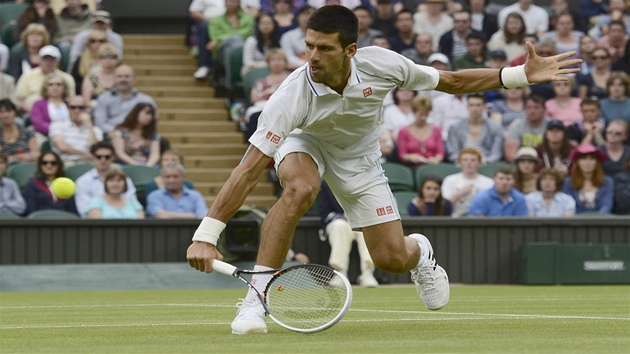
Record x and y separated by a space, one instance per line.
346 125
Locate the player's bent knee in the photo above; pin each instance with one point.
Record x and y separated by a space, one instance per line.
391 263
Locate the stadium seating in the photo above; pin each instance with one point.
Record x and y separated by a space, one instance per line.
236 63
52 214
4 215
10 12
402 200
21 173
76 171
400 177
488 169
140 175
440 170
249 79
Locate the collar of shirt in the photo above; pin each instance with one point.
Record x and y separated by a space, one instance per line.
320 89
495 195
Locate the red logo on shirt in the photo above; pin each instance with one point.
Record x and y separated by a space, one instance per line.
367 92
274 138
269 135
380 211
389 210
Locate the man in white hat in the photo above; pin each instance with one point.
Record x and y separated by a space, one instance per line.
29 86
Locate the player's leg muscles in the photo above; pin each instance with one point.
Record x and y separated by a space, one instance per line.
390 250
300 179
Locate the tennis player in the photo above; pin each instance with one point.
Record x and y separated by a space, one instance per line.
324 121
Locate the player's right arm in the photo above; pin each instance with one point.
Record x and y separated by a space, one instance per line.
230 198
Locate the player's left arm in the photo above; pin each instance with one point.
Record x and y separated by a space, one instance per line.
537 70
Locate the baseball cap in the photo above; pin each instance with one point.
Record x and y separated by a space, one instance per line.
498 54
50 51
101 16
555 123
439 57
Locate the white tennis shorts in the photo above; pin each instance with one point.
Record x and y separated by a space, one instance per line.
359 183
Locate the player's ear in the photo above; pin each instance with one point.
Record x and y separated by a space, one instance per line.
351 50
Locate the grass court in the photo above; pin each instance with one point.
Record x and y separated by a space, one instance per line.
389 319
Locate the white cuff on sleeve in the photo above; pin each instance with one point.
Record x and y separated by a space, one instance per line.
513 77
209 230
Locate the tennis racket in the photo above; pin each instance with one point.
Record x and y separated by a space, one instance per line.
306 298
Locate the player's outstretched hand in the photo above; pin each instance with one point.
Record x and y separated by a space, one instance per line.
543 69
201 254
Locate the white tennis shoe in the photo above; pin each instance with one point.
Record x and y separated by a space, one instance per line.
431 280
250 318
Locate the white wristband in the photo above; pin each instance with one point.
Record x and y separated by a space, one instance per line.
513 77
209 231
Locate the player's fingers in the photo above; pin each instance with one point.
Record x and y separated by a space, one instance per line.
566 55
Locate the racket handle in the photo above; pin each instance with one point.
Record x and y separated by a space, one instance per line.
223 267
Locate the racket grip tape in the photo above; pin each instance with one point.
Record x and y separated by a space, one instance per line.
222 267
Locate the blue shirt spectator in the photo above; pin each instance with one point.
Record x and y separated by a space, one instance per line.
175 200
502 199
11 200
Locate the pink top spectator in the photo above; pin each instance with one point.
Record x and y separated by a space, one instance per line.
567 115
432 146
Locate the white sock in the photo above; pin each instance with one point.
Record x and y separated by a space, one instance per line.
259 281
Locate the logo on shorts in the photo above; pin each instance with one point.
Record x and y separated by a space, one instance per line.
274 138
384 211
367 92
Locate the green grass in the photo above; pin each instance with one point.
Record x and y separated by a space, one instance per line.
479 319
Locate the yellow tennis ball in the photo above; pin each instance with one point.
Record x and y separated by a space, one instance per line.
63 187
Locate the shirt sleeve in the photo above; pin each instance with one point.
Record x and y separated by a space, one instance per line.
201 209
477 205
95 203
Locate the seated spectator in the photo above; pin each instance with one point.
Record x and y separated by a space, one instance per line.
420 143
433 20
476 56
169 156
38 193
17 143
421 51
460 188
566 38
136 141
502 199
617 104
593 84
101 21
385 17
563 106
101 78
29 87
405 35
589 129
429 201
526 131
88 59
447 110
11 200
453 43
476 132
549 200
34 37
400 114
623 64
264 87
525 177
201 12
113 106
226 32
292 42
555 150
257 46
341 236
591 189
510 108
37 13
52 107
284 14
175 201
536 18
113 204
73 138
7 86
610 11
483 20
559 8
510 38
616 152
587 48
622 190
91 184
615 40
74 18
365 20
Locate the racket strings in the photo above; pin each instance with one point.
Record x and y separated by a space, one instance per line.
306 297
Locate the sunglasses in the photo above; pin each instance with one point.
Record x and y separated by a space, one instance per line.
76 107
51 163
50 84
614 132
103 157
108 56
98 40
600 57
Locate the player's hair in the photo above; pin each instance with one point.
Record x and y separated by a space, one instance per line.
7 105
35 28
557 176
504 169
115 172
478 95
621 76
131 121
335 19
577 178
104 144
175 166
536 99
421 102
471 151
174 151
590 102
